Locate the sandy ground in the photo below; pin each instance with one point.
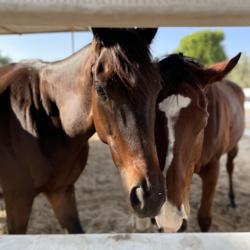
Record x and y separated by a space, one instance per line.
103 207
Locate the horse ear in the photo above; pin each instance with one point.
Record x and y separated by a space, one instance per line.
147 34
218 71
215 72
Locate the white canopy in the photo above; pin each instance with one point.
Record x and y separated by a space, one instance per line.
26 16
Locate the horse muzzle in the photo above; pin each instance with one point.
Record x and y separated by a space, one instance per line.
171 219
146 199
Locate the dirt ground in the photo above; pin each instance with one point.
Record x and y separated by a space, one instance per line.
103 207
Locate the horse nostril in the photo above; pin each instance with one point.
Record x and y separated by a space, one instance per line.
183 227
137 197
145 200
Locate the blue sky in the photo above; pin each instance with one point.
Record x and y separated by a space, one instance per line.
56 46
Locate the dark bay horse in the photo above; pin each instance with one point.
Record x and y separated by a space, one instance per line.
49 111
199 119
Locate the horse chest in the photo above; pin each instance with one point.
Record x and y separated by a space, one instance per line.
67 165
46 164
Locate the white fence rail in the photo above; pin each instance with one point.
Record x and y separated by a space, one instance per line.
22 16
187 241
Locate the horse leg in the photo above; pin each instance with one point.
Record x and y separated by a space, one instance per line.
18 209
230 166
209 175
64 205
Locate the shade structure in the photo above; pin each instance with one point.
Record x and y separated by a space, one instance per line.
28 16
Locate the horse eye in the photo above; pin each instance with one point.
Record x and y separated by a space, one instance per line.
101 92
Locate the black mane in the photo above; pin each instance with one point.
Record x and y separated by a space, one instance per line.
132 61
173 69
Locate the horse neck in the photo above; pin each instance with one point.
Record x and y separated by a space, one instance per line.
220 132
66 88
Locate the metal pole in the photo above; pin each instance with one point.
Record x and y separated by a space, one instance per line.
72 41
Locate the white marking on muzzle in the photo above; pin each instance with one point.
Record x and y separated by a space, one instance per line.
170 217
171 106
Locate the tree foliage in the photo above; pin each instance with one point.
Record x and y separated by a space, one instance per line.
241 73
4 59
206 46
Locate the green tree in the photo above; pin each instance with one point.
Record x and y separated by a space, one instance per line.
206 46
241 73
4 59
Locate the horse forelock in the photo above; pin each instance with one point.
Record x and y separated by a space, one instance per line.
173 70
132 64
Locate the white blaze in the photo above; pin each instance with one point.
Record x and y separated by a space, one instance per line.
171 106
170 217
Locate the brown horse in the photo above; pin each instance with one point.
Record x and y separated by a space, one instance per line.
49 111
198 120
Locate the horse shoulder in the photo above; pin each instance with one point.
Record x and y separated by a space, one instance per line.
226 119
236 109
236 91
